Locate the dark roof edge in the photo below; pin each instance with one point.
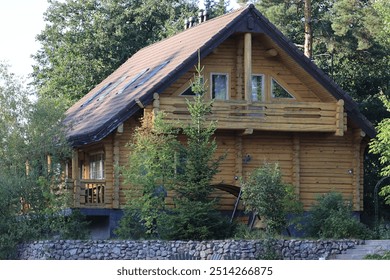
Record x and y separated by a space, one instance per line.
146 99
350 105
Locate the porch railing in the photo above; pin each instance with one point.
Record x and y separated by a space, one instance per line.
93 191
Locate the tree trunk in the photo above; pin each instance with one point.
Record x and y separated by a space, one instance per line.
308 46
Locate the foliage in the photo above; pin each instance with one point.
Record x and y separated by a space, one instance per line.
350 44
269 251
158 163
150 170
216 8
331 217
384 256
380 145
32 197
194 215
85 40
265 194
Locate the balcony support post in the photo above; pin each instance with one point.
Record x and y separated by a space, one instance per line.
248 66
75 177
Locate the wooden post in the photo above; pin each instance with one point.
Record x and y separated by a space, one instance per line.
48 164
340 118
27 167
357 138
115 196
156 104
248 66
240 69
76 178
296 163
238 161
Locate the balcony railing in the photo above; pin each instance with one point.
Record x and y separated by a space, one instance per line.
288 116
92 192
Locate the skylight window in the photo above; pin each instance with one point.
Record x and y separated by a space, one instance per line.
153 72
96 95
111 88
132 81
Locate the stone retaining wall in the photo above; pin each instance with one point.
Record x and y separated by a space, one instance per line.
163 250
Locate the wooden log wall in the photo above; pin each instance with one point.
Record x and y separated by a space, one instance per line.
315 163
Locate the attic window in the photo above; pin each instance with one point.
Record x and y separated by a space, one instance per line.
188 91
219 86
95 95
258 87
135 78
279 91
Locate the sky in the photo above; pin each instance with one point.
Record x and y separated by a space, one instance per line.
20 22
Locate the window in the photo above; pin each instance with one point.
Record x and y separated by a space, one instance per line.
258 87
188 92
96 166
132 81
95 95
219 86
278 91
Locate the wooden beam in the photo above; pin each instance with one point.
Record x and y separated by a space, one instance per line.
120 128
248 131
356 169
240 69
248 66
296 164
76 178
271 53
27 167
238 160
139 103
49 162
340 118
156 103
116 153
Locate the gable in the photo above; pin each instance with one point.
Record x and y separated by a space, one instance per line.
160 65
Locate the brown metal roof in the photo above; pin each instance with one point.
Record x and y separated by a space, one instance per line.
154 68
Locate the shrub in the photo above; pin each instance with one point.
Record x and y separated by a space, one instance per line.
384 256
265 194
332 217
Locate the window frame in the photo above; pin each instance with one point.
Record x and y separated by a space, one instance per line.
99 173
227 84
272 80
263 87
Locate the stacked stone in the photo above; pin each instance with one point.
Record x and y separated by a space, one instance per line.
163 250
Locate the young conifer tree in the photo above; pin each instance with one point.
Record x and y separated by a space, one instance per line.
194 215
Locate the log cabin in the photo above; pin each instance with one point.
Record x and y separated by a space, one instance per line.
271 103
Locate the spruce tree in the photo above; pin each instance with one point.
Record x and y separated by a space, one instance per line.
194 215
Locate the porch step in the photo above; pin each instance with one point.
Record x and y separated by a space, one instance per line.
360 251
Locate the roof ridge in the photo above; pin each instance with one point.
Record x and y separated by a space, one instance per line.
238 10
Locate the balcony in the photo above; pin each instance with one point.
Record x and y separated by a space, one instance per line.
288 116
92 193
